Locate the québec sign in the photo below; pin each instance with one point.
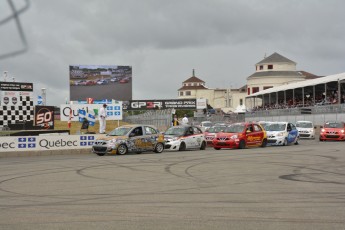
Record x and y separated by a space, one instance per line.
38 143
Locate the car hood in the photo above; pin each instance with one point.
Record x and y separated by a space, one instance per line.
220 135
210 134
304 129
274 132
333 129
171 136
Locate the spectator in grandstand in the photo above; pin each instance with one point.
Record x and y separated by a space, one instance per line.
102 121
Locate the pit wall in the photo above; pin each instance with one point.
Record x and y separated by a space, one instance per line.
45 145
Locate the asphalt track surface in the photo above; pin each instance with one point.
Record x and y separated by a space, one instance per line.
293 187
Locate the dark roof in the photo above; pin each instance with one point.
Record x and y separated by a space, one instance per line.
308 75
193 79
276 74
192 87
275 58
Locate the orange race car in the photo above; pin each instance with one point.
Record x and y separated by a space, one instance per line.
333 130
241 135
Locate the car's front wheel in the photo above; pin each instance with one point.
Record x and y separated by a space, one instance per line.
159 148
203 145
285 143
242 144
122 149
264 143
182 146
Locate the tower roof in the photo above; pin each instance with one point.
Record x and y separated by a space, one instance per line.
275 58
193 79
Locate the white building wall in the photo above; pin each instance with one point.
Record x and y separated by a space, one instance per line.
277 67
262 82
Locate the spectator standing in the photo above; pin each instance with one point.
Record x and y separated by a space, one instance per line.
175 121
185 120
102 121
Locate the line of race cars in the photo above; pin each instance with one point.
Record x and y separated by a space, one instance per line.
142 138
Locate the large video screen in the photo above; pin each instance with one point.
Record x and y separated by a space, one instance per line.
100 82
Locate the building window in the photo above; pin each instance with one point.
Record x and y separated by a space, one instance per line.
267 87
255 89
261 67
241 101
270 67
188 93
248 90
181 93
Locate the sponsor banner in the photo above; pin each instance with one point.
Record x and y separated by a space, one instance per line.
40 143
162 104
114 111
201 103
44 117
13 97
15 86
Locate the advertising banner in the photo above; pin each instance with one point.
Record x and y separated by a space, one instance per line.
44 117
100 82
162 104
13 93
15 86
38 143
114 111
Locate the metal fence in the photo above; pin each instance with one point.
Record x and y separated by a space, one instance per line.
317 114
220 118
159 118
162 119
317 109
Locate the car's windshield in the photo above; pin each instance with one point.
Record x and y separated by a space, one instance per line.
216 129
176 131
120 131
207 124
264 125
304 125
334 125
235 129
275 127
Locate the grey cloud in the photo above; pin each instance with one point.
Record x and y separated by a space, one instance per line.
165 40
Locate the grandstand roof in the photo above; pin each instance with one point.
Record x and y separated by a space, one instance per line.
301 84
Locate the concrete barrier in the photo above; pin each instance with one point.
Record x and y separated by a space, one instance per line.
45 153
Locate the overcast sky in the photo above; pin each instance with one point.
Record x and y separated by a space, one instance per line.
163 40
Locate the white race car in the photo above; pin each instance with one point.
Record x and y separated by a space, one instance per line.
184 137
306 129
281 133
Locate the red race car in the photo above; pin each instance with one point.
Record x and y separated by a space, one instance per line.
241 135
333 130
210 134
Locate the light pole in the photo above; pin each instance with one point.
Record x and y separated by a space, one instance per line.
44 96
